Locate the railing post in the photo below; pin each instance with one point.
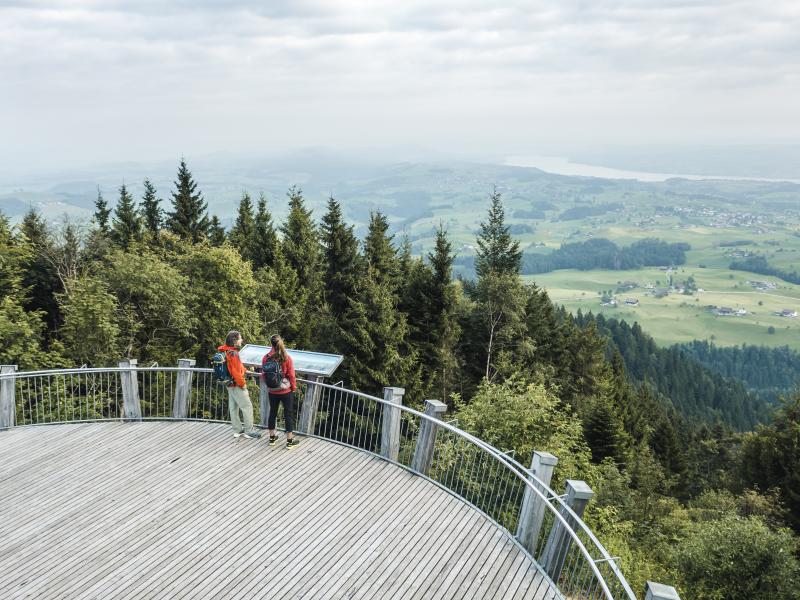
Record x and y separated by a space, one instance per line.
263 401
308 412
659 591
390 432
8 405
183 389
131 407
531 513
558 543
426 440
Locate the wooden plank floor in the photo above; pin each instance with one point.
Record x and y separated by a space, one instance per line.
184 510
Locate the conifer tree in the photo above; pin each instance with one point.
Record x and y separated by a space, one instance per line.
189 217
379 251
40 277
265 240
497 251
373 333
102 212
342 261
300 246
444 307
429 301
152 213
243 231
603 432
127 224
301 252
216 232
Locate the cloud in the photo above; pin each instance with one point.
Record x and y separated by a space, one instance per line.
441 73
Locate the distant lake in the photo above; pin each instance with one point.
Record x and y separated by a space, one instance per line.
563 166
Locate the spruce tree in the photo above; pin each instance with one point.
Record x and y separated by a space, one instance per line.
497 251
215 232
603 432
373 338
102 212
243 231
189 218
342 261
379 251
127 224
152 213
40 277
444 310
300 249
265 240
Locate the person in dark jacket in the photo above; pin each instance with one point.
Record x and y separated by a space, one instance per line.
283 393
238 396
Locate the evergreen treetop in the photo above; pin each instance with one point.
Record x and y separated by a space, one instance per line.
243 230
102 212
127 224
300 246
497 251
189 217
152 212
215 232
342 260
265 240
379 251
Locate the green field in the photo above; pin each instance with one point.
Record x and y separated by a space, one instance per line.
680 318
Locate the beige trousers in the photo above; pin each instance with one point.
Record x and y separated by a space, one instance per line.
239 400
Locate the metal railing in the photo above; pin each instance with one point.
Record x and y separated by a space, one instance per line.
547 525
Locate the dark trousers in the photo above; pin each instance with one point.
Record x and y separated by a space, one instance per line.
276 400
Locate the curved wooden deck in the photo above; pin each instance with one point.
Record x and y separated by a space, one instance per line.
184 510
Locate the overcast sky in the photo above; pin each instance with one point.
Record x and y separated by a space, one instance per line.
104 80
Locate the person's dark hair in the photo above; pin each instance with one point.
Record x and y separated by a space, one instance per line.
279 347
231 338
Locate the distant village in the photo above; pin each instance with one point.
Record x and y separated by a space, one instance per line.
609 298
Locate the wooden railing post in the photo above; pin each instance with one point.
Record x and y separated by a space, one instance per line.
8 404
183 389
263 401
531 512
426 440
390 431
659 591
308 412
558 543
131 407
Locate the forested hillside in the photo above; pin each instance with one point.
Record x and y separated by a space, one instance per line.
769 372
679 499
699 393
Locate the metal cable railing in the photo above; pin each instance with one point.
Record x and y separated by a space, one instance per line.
577 564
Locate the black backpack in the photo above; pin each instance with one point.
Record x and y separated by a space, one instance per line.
273 374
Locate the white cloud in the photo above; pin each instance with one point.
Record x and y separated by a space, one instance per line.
99 79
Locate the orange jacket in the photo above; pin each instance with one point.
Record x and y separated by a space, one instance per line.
235 366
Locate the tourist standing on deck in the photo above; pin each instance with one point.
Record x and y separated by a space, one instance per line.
277 372
238 396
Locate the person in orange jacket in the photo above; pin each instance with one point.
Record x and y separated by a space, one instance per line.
238 396
283 392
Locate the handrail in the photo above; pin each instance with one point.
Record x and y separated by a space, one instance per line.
555 504
519 469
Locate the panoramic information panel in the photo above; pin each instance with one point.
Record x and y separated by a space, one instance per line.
310 363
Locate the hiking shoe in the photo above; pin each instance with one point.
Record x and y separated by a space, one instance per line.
273 439
253 435
292 443
238 434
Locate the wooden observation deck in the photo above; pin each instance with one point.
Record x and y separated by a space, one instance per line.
181 509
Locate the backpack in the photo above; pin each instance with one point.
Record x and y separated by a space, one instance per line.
219 364
273 374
